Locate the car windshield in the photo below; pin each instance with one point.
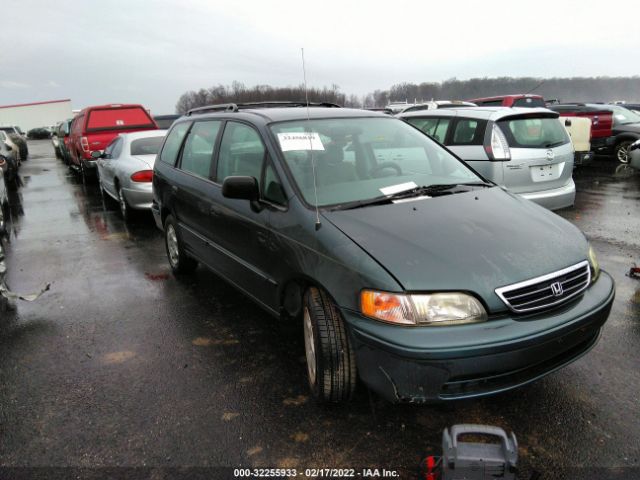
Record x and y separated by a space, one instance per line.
358 159
146 146
534 132
623 116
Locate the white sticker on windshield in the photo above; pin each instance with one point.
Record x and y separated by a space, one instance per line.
300 141
401 187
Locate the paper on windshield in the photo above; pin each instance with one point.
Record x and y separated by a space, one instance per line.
401 187
300 141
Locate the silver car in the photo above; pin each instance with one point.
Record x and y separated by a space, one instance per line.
634 155
527 150
125 169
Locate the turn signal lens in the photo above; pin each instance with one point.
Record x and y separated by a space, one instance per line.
143 176
387 306
447 308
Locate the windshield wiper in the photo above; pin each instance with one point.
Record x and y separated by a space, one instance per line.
429 190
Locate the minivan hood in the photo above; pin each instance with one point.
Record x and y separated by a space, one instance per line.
474 241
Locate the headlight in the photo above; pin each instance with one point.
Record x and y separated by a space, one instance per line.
422 309
593 262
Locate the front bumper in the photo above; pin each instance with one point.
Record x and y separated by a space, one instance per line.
430 364
554 199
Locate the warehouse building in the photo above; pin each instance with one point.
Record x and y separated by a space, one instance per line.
37 114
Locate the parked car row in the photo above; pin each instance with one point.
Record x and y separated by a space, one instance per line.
614 127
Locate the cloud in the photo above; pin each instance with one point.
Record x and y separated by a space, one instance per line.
12 84
52 84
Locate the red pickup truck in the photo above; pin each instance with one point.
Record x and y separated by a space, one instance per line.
602 139
94 127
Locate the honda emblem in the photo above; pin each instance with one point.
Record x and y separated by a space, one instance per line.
556 288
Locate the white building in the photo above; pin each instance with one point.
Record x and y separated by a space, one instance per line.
37 114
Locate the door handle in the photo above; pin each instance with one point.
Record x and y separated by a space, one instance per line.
174 189
214 211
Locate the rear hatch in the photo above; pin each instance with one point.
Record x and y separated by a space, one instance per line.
541 152
104 124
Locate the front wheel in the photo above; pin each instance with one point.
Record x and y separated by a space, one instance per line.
179 261
622 151
331 363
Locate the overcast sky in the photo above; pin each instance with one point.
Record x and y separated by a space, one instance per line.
151 52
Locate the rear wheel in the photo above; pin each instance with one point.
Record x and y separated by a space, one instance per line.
331 363
622 151
179 261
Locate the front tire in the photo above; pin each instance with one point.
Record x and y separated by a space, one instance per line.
622 151
179 261
331 363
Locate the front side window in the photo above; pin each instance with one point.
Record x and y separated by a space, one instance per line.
197 154
241 152
358 158
173 143
534 132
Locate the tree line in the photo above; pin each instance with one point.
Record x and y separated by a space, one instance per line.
574 89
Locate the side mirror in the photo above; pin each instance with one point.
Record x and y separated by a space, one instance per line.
97 154
241 187
567 122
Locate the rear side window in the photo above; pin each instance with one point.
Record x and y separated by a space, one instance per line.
118 118
197 154
529 102
173 142
468 131
436 128
146 146
241 152
534 132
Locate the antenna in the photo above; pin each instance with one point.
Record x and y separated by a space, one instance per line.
313 163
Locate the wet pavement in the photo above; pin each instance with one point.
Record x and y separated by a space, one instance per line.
121 364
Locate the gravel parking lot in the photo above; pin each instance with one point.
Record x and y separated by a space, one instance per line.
121 364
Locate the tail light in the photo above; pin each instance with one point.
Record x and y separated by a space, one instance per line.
3 161
498 149
142 176
84 141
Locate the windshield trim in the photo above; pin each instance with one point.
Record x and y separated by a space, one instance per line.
279 155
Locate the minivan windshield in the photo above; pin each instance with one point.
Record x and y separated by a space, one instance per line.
623 116
358 159
534 132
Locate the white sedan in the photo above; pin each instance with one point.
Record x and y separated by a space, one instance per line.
125 169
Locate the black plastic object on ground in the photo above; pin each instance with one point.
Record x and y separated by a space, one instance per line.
478 461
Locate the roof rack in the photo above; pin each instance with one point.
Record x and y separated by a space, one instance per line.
235 107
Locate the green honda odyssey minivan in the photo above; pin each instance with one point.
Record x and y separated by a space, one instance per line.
406 268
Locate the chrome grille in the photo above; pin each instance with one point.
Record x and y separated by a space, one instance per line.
546 291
